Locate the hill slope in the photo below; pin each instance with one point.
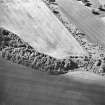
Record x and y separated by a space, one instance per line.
21 86
37 25
91 25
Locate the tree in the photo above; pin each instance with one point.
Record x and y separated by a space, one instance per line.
51 0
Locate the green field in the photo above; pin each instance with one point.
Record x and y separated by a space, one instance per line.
23 86
88 23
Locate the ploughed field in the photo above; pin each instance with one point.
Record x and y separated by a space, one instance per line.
23 86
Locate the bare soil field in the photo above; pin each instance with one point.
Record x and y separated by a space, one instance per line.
23 86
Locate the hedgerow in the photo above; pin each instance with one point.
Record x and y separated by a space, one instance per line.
16 50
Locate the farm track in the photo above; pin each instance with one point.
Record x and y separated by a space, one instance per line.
21 86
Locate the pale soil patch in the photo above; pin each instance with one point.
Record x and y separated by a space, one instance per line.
87 77
103 19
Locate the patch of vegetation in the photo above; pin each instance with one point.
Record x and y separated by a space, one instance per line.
16 50
95 51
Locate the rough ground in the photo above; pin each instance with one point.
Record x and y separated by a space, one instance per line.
21 86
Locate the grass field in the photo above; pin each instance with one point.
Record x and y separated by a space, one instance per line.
87 22
36 24
23 86
103 19
102 1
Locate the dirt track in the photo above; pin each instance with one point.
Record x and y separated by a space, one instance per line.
21 86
